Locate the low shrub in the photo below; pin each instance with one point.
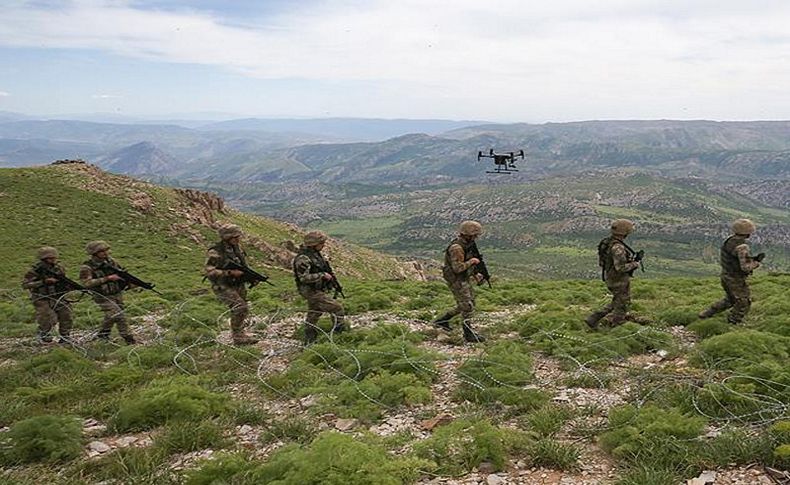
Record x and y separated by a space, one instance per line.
331 459
500 376
166 400
42 439
182 436
460 446
367 399
652 435
293 428
648 475
125 465
221 469
710 328
548 420
553 454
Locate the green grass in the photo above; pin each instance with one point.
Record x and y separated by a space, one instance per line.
191 393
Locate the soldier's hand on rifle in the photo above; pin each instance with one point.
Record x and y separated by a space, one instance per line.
639 255
114 277
479 278
327 277
235 273
474 261
50 281
759 258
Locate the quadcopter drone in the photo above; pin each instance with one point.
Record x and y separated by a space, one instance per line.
504 162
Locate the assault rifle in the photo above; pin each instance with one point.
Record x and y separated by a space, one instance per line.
333 283
638 256
64 282
480 268
129 278
250 276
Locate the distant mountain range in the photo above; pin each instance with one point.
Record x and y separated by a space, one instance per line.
261 150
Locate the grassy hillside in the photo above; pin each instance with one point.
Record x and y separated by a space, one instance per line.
393 401
157 233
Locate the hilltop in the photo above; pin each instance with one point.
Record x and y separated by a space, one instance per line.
160 232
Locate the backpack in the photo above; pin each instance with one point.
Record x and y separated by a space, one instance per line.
603 254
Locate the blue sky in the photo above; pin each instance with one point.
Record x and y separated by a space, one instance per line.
503 60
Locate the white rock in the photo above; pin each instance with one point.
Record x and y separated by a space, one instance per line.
99 447
494 480
245 429
345 424
125 441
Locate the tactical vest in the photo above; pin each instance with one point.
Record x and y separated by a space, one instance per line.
317 265
605 258
101 269
730 264
447 269
227 253
46 290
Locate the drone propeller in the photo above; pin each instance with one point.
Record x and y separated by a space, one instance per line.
479 156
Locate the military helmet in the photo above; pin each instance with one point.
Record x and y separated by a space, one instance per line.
470 228
228 231
94 247
622 227
314 238
45 252
743 226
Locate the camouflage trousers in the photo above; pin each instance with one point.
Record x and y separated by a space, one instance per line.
112 307
737 296
318 303
235 298
616 312
464 299
51 311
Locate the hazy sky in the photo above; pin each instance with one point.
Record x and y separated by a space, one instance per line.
516 60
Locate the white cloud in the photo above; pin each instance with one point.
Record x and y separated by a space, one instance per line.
539 59
4 94
106 96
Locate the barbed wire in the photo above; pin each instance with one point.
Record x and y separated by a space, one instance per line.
761 408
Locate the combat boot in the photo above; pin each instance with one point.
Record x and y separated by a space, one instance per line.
593 319
471 336
129 339
44 338
705 314
310 333
443 322
242 338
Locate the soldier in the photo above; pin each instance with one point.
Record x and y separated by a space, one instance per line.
314 276
228 284
48 295
459 267
107 287
736 266
618 262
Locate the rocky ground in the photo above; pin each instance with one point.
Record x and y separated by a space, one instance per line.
278 347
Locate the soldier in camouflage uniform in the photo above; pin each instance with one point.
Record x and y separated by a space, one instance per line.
736 266
459 268
618 262
107 289
228 284
48 295
313 277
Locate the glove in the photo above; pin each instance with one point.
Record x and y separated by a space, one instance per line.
639 255
759 257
